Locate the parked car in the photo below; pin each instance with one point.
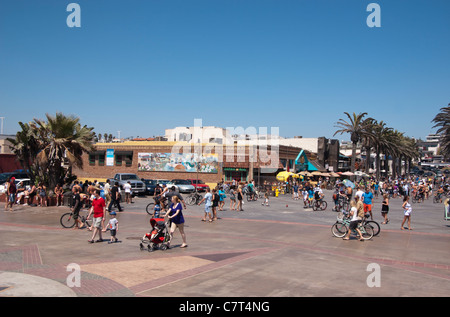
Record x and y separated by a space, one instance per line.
184 186
199 184
150 185
26 184
166 182
18 175
137 186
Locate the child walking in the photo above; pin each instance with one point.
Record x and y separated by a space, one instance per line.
113 226
266 199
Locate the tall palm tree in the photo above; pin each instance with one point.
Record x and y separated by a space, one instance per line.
368 140
442 122
25 146
381 137
61 137
355 127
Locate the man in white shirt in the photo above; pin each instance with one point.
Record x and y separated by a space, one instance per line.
359 193
127 188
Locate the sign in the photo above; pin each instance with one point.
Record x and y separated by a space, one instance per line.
110 157
177 162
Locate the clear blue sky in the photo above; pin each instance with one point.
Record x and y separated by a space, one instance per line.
143 66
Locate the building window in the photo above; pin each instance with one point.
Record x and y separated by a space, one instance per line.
124 157
91 159
97 156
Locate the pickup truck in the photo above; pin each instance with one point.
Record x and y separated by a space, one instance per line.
137 186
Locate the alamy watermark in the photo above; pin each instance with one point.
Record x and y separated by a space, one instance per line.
74 18
232 144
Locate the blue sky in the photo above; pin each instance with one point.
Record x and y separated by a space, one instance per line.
142 66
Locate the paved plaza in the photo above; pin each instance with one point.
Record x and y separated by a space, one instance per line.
283 250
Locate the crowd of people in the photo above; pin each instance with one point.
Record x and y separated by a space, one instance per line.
101 199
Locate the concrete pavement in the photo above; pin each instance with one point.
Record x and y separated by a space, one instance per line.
282 250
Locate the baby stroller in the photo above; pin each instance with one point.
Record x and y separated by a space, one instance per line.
159 236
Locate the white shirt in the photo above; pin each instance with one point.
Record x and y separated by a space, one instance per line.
113 223
127 188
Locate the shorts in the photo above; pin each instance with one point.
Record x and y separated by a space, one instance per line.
113 232
207 209
76 213
408 212
367 208
97 222
354 224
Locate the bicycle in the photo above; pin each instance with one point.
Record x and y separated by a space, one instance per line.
340 228
150 209
319 204
375 225
193 199
343 204
67 220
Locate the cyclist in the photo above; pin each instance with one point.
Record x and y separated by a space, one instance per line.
357 214
318 193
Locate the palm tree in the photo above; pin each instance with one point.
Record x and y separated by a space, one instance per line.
26 146
368 140
381 137
61 137
355 126
442 122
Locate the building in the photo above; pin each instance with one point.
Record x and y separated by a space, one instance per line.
210 162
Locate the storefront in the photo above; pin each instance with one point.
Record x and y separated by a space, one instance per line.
237 174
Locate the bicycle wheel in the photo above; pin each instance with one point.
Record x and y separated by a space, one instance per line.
150 208
314 206
366 231
323 205
375 226
339 230
67 220
190 200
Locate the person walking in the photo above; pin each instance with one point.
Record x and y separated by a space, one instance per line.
115 197
232 197
222 197
407 209
385 208
76 207
175 216
113 227
215 203
107 191
98 209
240 196
357 214
11 191
208 203
367 201
127 188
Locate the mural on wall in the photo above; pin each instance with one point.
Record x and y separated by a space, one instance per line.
178 162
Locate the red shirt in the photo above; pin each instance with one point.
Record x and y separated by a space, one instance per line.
99 205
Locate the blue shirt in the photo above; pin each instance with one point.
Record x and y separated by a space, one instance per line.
368 198
178 218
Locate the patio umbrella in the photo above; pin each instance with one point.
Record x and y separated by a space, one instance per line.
348 183
362 174
282 176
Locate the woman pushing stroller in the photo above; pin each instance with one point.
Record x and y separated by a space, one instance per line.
175 216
